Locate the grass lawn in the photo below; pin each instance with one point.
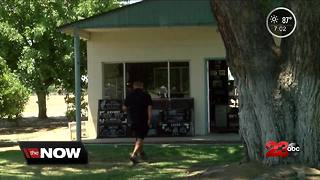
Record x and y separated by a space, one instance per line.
111 162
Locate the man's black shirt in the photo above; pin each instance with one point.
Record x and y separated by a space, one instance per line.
137 102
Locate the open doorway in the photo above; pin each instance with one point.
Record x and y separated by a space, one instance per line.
222 98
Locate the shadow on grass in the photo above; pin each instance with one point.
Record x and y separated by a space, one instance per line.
111 161
22 130
7 143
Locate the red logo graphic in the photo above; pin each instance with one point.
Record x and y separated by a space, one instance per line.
277 149
282 149
32 152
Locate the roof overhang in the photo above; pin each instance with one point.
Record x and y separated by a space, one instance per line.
147 13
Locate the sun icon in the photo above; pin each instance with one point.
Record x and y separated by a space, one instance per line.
274 19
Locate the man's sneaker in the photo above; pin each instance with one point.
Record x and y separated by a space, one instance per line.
133 159
143 156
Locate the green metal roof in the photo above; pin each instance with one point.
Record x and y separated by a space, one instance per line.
150 13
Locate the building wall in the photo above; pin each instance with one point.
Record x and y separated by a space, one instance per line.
193 44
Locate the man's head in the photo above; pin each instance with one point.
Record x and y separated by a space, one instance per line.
137 85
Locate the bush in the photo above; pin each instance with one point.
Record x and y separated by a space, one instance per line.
71 108
13 94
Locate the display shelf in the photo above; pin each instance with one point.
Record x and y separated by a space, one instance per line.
169 118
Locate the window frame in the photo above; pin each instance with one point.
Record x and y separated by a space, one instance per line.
168 74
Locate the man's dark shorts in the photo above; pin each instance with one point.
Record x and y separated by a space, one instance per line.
138 102
140 133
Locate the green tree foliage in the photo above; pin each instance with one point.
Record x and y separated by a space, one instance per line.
32 45
13 94
88 8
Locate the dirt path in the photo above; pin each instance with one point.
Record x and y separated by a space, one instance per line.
32 129
44 134
55 106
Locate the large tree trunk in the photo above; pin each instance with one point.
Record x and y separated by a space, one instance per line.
301 56
278 86
42 104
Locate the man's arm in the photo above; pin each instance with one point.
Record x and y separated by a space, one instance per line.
149 115
125 105
124 108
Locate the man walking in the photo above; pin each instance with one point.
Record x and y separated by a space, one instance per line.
139 106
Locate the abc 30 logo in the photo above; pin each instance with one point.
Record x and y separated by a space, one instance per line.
282 149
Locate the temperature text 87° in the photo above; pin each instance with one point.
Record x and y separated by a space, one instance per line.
285 20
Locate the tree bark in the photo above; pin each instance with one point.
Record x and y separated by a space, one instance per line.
302 64
278 86
42 104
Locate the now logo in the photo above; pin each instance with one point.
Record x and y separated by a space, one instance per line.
52 152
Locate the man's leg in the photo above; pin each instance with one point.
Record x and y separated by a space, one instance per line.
141 152
141 147
143 155
137 147
136 150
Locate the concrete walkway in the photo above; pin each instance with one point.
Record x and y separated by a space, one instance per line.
225 138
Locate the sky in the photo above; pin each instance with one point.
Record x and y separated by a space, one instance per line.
130 1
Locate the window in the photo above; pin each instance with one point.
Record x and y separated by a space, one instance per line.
113 81
179 79
154 75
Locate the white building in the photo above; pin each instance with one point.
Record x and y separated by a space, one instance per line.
143 40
